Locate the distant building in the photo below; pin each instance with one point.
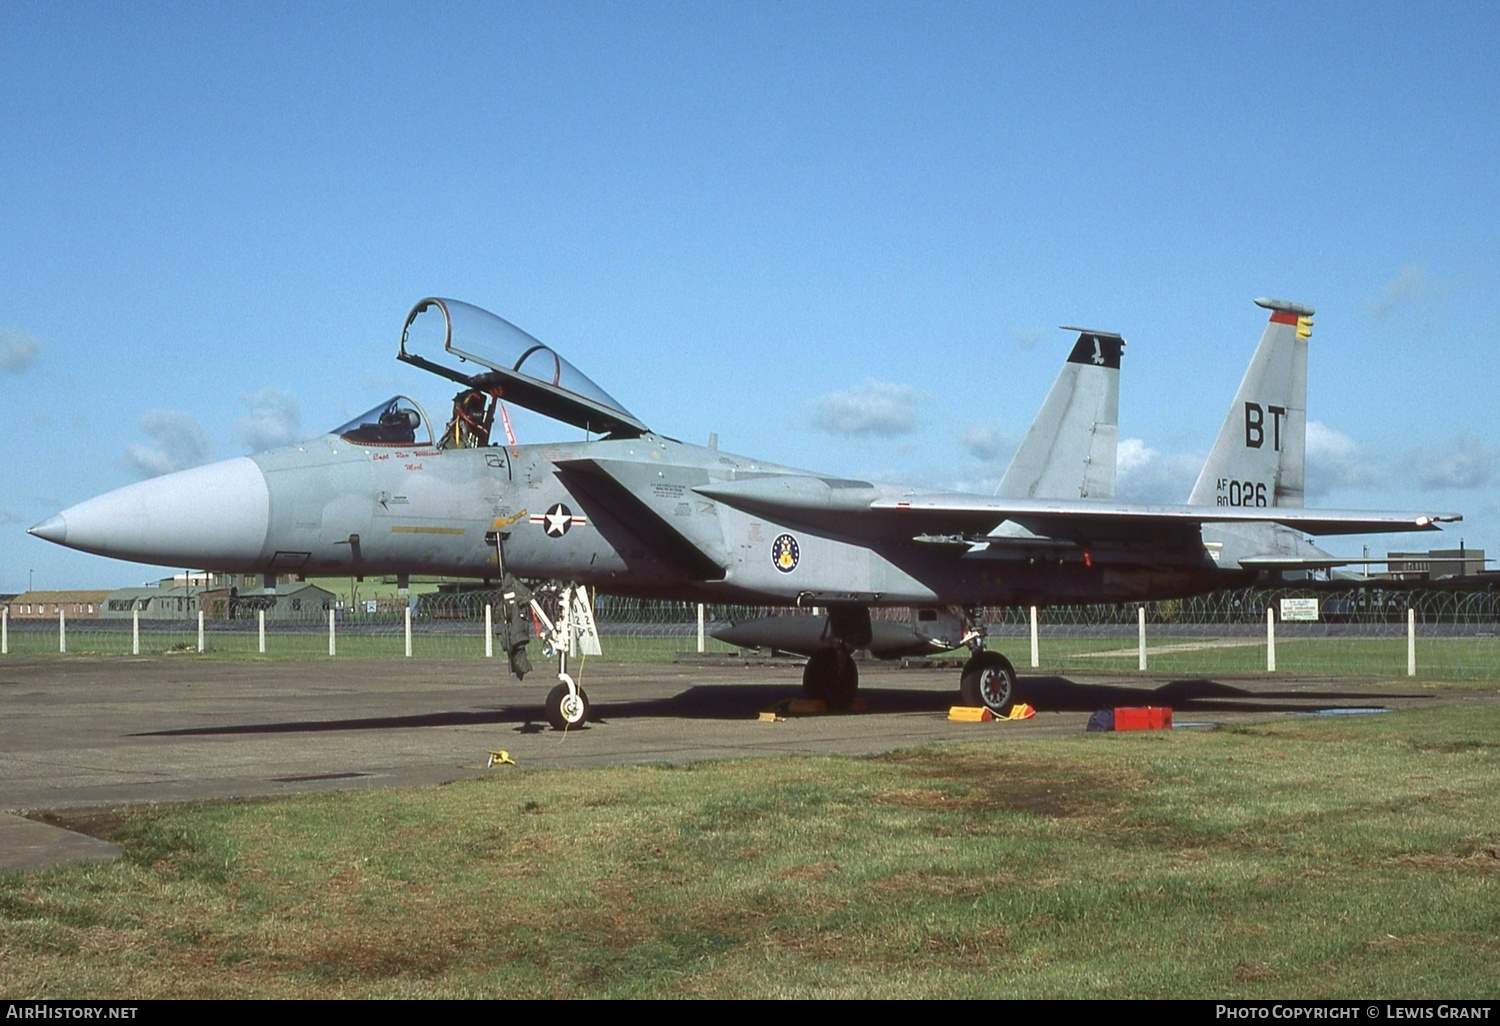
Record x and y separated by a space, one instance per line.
293 600
159 603
37 605
1434 565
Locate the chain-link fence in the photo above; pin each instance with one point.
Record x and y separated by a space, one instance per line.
1449 633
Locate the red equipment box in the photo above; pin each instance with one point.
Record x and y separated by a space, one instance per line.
1150 717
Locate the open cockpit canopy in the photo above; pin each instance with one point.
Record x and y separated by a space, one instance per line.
519 369
397 422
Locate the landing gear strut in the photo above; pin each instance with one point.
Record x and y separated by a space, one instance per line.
567 705
831 676
988 678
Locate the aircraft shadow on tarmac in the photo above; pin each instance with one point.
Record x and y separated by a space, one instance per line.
746 701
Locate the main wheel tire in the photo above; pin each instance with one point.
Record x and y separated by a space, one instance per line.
989 680
564 709
832 677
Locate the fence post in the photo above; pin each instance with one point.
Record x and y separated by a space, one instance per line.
1036 652
1411 642
333 645
1270 640
700 628
4 630
135 632
489 631
200 630
408 630
1141 617
62 631
260 618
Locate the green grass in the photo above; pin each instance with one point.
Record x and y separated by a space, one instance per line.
1442 658
1354 857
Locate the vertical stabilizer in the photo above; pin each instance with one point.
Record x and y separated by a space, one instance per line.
1069 452
1259 457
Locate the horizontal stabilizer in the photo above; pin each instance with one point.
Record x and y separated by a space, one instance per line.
1276 562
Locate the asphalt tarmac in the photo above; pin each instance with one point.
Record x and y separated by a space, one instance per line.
84 733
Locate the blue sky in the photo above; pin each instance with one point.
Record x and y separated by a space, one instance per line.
840 235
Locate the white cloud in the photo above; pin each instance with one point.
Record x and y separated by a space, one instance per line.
985 442
1142 474
1133 455
1335 460
180 443
1464 463
1324 443
275 419
869 408
17 350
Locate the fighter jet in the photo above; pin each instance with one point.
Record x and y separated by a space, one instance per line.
637 513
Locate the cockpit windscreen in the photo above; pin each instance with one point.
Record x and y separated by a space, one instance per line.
395 422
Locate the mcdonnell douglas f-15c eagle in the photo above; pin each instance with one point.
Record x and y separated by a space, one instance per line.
638 513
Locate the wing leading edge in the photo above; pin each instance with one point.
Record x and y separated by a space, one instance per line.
864 510
1066 519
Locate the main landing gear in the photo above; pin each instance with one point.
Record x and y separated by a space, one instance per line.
988 680
831 676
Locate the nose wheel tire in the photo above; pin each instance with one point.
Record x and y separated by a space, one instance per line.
565 709
989 680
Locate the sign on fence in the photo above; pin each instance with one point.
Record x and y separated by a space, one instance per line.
1299 609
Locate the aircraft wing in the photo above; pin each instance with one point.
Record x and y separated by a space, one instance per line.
1124 520
865 510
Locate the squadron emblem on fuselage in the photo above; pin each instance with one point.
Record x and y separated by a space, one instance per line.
785 553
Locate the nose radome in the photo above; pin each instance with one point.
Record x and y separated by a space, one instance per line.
214 517
53 529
